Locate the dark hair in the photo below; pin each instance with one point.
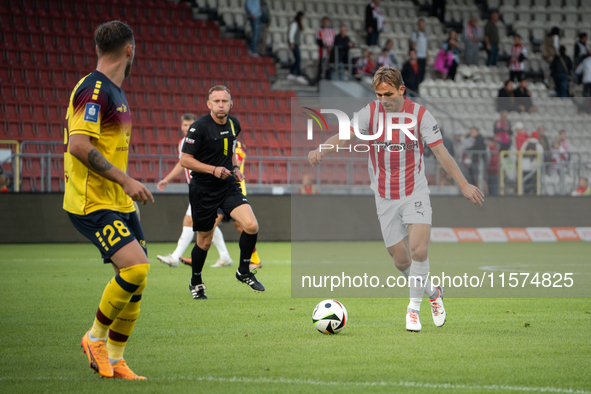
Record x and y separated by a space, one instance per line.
298 19
188 116
516 35
112 36
582 35
562 51
507 82
555 31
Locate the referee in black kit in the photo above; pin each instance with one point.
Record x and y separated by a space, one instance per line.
208 152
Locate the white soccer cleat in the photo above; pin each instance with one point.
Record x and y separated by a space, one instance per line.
412 321
222 263
168 260
437 309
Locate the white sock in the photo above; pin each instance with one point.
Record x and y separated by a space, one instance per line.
430 290
220 245
419 270
184 241
114 360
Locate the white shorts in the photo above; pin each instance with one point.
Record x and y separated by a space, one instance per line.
188 211
396 215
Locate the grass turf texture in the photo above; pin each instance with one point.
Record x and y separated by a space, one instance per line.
248 342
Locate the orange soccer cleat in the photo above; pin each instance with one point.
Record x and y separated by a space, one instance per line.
98 357
122 371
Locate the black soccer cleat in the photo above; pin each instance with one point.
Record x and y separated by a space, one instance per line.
198 291
250 280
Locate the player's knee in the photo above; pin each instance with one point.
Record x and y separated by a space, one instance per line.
205 243
251 226
136 274
402 263
420 253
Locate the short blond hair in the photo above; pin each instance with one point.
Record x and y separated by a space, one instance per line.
219 88
389 75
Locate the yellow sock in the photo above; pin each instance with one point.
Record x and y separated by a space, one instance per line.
117 295
255 259
122 326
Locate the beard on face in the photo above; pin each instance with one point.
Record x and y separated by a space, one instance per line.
128 67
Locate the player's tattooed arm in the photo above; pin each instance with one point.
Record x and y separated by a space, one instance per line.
98 161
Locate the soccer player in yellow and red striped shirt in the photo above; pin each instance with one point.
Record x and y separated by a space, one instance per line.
99 195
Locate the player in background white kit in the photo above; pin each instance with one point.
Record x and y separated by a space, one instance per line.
397 174
187 235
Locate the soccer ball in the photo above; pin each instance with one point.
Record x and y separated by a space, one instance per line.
329 317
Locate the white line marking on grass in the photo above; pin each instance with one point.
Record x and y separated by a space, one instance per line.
235 379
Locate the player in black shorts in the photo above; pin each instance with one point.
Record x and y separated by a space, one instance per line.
208 152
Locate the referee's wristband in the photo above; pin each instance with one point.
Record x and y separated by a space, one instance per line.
235 167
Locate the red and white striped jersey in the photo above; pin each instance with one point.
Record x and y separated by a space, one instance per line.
396 167
187 171
326 35
514 63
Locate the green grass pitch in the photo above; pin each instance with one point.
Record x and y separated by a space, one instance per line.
240 341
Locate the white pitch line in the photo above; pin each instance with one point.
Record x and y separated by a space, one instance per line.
235 379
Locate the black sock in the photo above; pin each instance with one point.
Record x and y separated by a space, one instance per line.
198 257
247 244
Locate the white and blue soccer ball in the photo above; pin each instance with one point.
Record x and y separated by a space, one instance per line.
330 317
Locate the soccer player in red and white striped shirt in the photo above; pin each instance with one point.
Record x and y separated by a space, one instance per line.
186 237
397 174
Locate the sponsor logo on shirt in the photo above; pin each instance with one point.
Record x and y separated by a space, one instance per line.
91 113
192 129
224 132
189 140
435 129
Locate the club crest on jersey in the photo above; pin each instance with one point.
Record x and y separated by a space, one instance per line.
91 113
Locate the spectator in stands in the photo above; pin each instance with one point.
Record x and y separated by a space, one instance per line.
342 44
503 132
392 55
265 22
410 74
3 183
491 39
521 135
506 98
365 67
438 10
523 98
565 145
374 22
553 173
549 49
529 162
294 40
584 69
384 58
518 55
583 189
581 49
452 46
308 187
560 69
325 39
475 155
418 42
540 134
473 40
253 12
492 168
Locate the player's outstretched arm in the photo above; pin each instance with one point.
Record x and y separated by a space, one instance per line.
331 145
469 191
189 162
82 149
171 175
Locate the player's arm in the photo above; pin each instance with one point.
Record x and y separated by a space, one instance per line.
330 146
191 163
469 191
236 168
82 149
171 175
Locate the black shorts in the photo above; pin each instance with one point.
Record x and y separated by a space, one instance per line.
205 202
109 230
